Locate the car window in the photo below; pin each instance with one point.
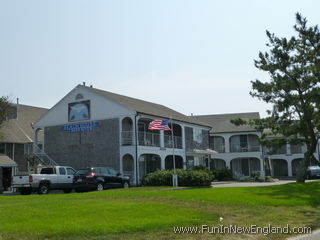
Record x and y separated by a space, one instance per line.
62 171
96 170
83 172
47 171
112 172
104 171
70 171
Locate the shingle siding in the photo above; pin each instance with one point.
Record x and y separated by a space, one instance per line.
99 147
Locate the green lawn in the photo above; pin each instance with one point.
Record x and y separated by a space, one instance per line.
151 213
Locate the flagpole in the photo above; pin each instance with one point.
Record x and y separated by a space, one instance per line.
174 177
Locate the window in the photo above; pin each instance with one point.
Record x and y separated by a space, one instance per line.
96 170
62 171
112 172
2 148
47 171
70 171
104 171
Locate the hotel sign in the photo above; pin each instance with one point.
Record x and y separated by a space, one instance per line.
80 127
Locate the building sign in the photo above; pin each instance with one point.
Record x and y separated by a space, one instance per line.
79 111
80 127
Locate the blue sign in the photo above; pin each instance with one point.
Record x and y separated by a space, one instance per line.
80 127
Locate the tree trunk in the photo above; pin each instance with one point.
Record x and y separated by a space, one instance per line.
308 160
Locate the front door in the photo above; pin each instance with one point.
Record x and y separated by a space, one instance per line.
6 178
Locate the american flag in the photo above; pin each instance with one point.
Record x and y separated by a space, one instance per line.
159 125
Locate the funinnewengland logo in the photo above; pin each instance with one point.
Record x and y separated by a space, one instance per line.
235 229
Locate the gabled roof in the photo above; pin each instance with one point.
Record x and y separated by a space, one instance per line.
220 123
5 161
20 130
145 107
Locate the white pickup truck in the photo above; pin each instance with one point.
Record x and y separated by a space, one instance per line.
58 177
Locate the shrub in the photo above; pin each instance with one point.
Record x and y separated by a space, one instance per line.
186 178
222 174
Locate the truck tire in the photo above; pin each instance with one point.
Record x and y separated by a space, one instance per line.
25 191
43 188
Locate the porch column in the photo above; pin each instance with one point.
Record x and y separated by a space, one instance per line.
162 161
262 172
290 167
227 143
161 139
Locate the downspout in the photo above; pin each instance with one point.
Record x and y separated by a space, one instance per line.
136 142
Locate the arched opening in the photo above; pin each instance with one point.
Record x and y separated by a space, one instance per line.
128 166
279 167
127 131
217 144
217 164
148 163
38 141
296 165
147 137
169 162
244 143
245 167
177 136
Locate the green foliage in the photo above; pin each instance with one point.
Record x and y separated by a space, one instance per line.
222 174
293 66
5 108
185 178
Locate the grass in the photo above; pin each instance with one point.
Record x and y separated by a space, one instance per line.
151 213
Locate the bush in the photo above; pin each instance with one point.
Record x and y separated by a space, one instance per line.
222 174
187 178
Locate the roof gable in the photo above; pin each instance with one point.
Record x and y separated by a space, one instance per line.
146 107
220 123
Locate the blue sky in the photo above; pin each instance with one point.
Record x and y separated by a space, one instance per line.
193 56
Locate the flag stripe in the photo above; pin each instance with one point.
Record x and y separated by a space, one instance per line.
159 125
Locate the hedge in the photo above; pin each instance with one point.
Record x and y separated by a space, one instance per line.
186 178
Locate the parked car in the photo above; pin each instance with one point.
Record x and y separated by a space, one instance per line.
99 178
313 172
58 177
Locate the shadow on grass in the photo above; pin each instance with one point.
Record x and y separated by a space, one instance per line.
295 193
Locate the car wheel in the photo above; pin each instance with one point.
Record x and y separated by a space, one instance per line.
125 185
99 186
68 190
43 188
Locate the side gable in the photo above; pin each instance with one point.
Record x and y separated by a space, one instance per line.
100 108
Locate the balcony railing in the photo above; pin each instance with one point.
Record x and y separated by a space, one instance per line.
149 139
238 148
127 138
168 141
219 149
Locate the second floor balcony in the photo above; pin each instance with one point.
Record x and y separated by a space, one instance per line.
150 139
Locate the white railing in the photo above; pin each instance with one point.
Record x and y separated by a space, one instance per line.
43 157
248 148
127 138
168 141
149 139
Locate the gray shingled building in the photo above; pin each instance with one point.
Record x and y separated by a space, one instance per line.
16 140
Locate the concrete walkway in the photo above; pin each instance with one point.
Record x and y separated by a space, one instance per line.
252 184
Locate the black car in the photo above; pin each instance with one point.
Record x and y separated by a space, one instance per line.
99 178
